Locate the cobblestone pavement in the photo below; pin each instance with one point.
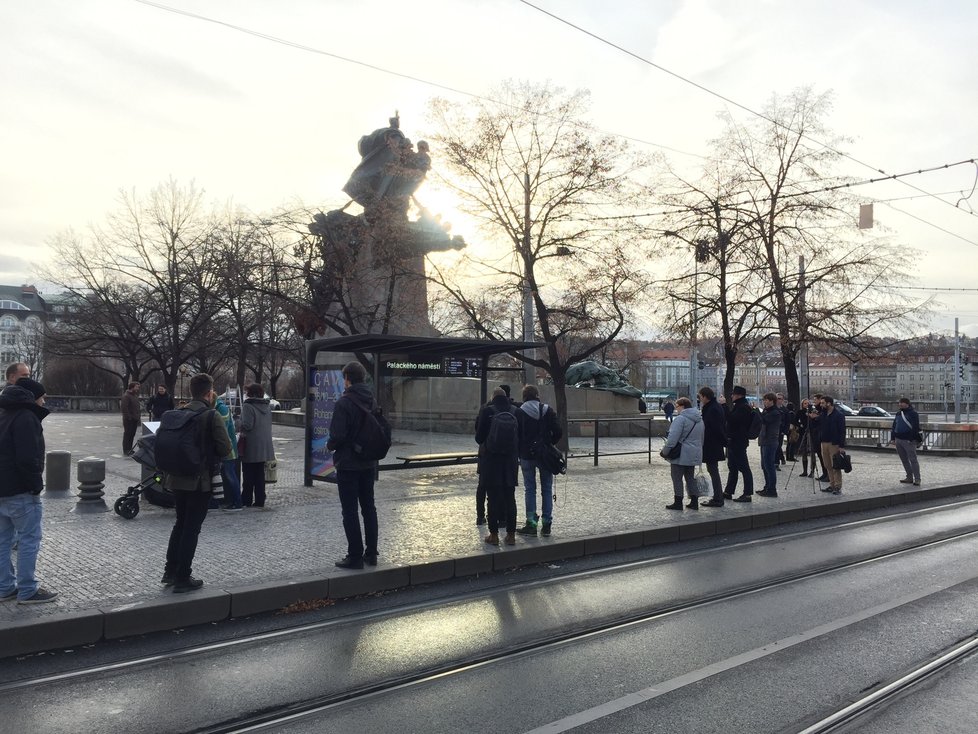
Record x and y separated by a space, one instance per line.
101 560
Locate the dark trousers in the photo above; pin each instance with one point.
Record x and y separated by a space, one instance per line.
253 483
357 488
812 449
129 428
737 464
191 510
502 507
713 469
480 500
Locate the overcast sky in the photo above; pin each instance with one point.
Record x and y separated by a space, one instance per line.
103 95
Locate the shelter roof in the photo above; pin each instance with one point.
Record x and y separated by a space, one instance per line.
418 345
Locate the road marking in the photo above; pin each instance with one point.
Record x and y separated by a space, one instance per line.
647 694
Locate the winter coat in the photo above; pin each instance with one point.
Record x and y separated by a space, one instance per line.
495 470
256 427
770 427
225 412
343 429
130 408
906 425
528 416
833 428
157 405
714 431
221 445
21 443
687 428
739 419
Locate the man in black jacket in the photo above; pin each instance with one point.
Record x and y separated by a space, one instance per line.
714 441
161 402
21 481
739 417
498 471
833 430
538 424
906 428
354 476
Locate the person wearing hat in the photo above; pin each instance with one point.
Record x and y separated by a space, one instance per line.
21 481
739 416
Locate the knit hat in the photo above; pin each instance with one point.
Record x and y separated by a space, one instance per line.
738 390
36 388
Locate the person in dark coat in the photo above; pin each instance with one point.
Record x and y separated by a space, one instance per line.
161 402
770 443
906 429
498 473
354 475
804 443
192 492
739 416
833 434
714 441
21 481
255 445
815 421
131 415
668 409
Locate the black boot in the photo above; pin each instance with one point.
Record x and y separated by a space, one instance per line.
677 505
693 504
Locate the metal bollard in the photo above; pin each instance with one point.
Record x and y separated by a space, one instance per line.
57 471
91 481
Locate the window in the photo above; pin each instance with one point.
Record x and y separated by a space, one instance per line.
8 322
13 306
8 340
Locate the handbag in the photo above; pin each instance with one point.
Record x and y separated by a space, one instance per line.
271 471
242 444
676 451
842 462
702 487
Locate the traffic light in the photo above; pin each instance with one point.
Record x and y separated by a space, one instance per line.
700 364
961 371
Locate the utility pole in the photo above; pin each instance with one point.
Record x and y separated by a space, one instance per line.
803 327
528 370
957 373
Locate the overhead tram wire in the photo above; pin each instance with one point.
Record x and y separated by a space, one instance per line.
728 100
383 70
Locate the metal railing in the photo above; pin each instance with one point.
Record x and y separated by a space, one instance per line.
937 436
596 423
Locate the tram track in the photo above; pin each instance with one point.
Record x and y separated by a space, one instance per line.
279 714
847 718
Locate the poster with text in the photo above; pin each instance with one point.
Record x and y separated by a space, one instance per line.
325 388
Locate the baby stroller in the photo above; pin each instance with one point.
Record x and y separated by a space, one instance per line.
151 487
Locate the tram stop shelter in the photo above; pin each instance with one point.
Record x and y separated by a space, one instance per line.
427 386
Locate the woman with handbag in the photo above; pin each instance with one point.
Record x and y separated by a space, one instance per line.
255 445
684 451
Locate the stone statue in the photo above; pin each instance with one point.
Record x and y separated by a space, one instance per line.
599 377
380 253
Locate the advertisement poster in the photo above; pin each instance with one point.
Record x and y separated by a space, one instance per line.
326 388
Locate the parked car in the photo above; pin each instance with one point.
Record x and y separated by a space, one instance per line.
874 411
844 409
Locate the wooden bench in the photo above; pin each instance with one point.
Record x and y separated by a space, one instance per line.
460 457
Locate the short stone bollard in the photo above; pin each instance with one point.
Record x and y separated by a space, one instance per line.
91 481
57 471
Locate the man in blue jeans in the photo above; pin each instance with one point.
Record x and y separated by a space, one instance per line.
770 444
538 424
21 481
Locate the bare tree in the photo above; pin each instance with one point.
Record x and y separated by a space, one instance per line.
146 278
575 256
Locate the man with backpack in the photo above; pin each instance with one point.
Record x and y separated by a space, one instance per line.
498 434
358 437
191 443
741 423
538 427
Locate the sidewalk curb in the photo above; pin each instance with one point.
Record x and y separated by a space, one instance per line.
213 604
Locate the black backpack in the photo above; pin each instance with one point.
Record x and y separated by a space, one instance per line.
504 433
183 445
754 430
373 437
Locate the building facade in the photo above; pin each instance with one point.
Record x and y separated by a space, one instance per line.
22 316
